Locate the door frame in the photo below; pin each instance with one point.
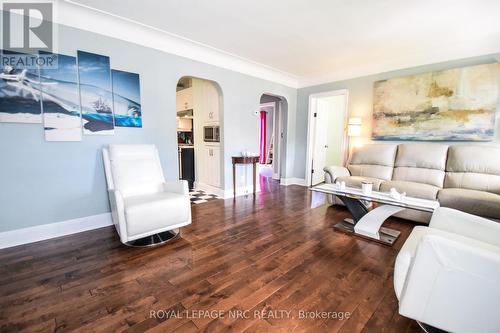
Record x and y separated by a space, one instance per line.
276 143
311 128
277 140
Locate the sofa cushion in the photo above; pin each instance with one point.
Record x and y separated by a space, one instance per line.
473 181
355 181
474 159
473 167
373 160
421 155
421 163
371 171
471 201
145 213
417 190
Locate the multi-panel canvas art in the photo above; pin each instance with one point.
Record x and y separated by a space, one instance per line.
95 93
75 95
61 101
126 99
451 105
19 94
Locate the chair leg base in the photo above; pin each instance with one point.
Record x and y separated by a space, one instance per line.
156 239
429 329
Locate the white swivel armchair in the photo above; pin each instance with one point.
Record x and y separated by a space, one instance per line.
146 210
447 275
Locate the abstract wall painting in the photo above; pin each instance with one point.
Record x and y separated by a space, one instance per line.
61 101
95 94
19 94
452 105
126 99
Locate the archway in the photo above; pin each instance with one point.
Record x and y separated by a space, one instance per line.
199 111
273 111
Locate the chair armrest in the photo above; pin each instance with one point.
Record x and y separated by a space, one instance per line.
332 172
116 199
453 285
467 225
177 186
118 213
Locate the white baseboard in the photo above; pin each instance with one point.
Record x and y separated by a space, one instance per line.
209 188
243 190
293 181
225 194
52 230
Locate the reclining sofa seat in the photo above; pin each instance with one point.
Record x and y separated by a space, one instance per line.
372 165
419 170
472 182
463 177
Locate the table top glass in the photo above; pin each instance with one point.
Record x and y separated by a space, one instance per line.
380 197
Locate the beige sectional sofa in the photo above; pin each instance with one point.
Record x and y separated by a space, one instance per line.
464 177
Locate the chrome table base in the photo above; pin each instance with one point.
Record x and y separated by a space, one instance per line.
387 236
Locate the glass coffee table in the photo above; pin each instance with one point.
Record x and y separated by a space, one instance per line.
368 222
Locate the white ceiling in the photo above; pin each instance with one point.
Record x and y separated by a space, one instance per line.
323 40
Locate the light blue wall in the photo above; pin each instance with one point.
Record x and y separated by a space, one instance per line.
360 101
44 182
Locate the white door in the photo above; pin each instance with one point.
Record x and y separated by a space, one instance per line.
209 165
320 141
184 99
216 166
211 102
213 166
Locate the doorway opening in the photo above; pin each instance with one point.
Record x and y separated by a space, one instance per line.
327 133
272 120
199 137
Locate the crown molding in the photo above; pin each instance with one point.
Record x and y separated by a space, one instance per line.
487 47
79 16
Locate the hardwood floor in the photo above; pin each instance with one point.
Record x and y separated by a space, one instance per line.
254 257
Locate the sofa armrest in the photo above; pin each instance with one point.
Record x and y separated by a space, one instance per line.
332 172
453 285
467 225
177 186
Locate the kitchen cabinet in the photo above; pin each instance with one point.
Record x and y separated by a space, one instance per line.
184 124
211 101
213 169
184 100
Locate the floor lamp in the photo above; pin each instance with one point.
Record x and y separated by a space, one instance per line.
353 130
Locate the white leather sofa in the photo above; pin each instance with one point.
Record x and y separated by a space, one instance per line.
447 274
145 208
464 177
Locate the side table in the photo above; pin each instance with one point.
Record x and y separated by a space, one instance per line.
245 160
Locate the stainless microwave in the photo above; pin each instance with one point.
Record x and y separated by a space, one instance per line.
211 134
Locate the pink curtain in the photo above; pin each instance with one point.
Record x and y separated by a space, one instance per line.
263 137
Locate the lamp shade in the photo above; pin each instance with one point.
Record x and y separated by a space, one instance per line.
354 126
